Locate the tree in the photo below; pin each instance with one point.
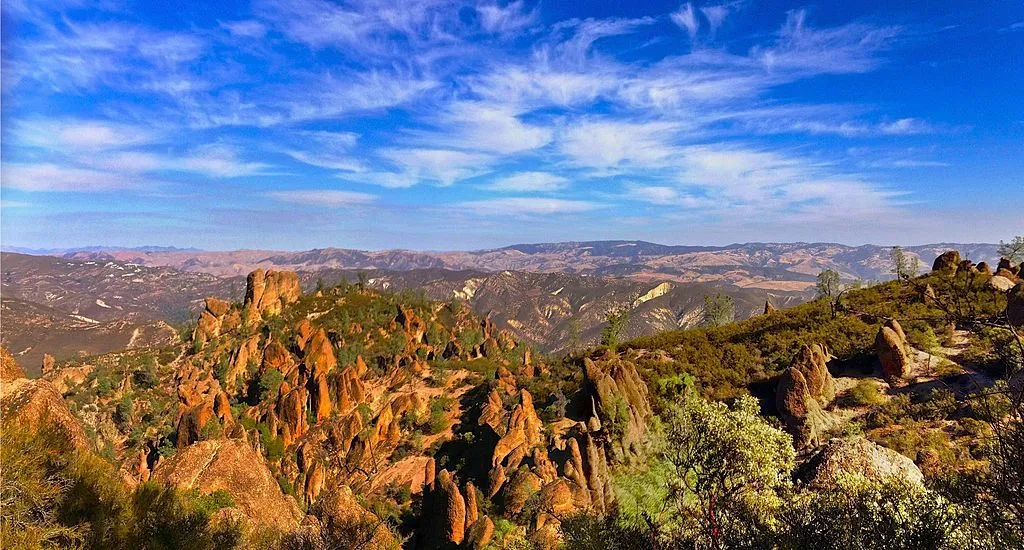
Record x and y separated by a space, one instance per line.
903 266
1013 250
617 319
718 310
730 468
829 284
831 289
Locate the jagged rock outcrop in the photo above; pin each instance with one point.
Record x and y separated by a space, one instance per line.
267 292
615 386
858 456
36 405
893 351
446 509
216 318
231 466
802 394
1015 305
768 307
1000 283
947 262
521 433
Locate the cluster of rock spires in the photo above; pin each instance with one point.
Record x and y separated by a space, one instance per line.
339 424
1007 277
566 468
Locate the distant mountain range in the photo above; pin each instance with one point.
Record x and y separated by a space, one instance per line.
99 299
774 266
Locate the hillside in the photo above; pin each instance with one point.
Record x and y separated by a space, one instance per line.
768 266
353 417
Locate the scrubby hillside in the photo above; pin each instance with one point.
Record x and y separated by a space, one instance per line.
354 418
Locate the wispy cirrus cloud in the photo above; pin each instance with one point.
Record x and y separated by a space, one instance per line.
529 182
331 198
528 206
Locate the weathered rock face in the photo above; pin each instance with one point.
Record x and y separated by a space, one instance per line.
613 383
216 318
768 307
1015 305
266 292
37 405
947 262
860 457
447 512
341 505
1000 283
231 466
984 268
804 390
893 351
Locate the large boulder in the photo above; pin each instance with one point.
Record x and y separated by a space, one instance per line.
234 467
893 351
37 406
947 262
802 394
858 456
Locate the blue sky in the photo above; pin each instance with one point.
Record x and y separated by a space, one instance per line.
293 124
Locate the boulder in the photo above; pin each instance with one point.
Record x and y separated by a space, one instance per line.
234 467
984 268
1000 283
1015 305
802 414
893 351
480 533
37 405
858 456
947 262
49 364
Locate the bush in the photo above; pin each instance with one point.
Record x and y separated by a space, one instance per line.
866 392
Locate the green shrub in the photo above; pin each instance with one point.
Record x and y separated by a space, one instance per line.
866 392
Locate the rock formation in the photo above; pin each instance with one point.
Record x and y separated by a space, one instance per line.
615 386
893 351
267 292
803 392
36 404
768 307
233 467
858 456
1015 305
947 262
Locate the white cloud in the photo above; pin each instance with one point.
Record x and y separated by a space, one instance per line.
245 29
441 166
323 197
51 177
520 206
486 127
506 20
907 126
541 182
331 150
603 144
801 49
686 18
57 134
